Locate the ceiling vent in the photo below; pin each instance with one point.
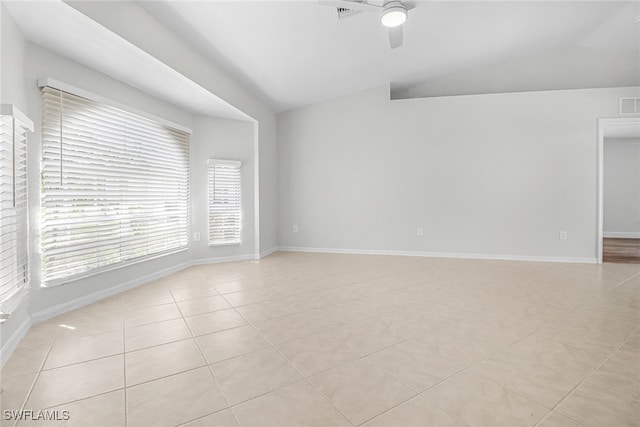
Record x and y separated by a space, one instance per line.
345 12
629 106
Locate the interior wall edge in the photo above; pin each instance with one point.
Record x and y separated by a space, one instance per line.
268 252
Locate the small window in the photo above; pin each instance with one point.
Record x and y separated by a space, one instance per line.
14 224
224 202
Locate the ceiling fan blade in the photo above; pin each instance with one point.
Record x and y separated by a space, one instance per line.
395 36
353 5
409 4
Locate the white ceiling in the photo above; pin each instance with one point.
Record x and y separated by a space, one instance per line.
295 53
58 27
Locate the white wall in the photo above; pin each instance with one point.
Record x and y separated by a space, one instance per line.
622 188
210 137
23 63
12 91
492 175
215 138
40 63
136 25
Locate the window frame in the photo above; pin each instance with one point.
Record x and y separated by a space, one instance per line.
225 163
185 196
18 290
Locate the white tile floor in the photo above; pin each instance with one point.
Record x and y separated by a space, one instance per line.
311 339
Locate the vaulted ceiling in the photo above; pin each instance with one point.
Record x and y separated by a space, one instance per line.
295 53
298 52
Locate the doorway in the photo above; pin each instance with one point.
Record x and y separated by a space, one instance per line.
619 190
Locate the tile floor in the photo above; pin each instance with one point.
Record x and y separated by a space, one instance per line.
340 340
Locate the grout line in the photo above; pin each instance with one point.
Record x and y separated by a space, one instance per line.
63 366
209 366
468 368
418 396
220 411
124 367
593 371
586 377
303 378
559 413
35 380
84 398
307 292
396 343
624 281
204 358
382 349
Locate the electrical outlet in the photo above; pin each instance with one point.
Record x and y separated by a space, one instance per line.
295 228
196 236
420 231
563 235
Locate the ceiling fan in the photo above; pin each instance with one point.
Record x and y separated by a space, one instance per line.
392 14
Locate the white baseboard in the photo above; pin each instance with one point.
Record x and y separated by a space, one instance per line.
50 312
233 258
56 310
579 260
622 234
217 260
12 343
59 309
268 252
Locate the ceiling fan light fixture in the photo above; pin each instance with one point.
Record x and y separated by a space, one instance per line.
393 14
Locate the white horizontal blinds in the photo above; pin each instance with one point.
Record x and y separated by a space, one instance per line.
115 187
14 271
224 202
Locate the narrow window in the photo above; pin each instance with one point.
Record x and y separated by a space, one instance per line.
224 202
14 214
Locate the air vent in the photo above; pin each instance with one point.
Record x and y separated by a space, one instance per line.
629 106
343 12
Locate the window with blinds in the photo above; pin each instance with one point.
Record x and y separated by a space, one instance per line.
224 202
14 222
115 187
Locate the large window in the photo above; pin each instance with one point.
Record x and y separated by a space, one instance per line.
14 228
224 202
115 187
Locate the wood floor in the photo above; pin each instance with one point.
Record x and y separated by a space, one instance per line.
621 250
